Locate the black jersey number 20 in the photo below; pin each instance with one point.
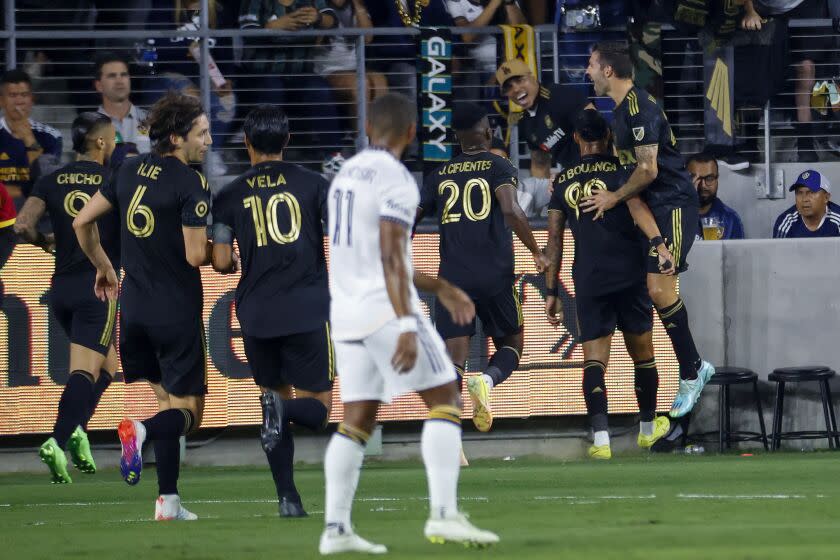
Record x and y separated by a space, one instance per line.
452 188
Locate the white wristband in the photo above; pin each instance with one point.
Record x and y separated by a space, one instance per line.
407 324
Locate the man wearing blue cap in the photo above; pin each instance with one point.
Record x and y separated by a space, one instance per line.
813 215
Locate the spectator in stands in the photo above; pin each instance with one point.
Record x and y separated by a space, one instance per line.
336 60
532 193
23 142
113 83
8 238
704 173
282 66
549 112
180 70
813 215
484 13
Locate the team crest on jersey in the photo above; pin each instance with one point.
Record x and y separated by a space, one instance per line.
201 209
638 133
548 122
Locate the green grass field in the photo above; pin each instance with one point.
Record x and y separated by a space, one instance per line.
676 507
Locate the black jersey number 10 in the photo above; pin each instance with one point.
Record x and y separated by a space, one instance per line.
265 220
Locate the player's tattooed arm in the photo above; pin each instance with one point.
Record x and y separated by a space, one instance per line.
554 253
453 299
392 248
645 221
26 224
646 171
518 221
106 285
540 164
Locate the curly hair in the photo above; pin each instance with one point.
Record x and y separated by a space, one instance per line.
171 114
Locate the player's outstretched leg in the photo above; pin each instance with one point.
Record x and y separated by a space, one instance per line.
646 376
440 443
306 411
342 467
72 411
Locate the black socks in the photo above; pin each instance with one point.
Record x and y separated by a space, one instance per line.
99 387
307 412
675 319
74 405
168 464
502 364
646 384
595 394
169 424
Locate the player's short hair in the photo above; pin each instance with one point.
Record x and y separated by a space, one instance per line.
466 115
173 113
591 126
84 127
616 55
107 57
702 157
392 114
267 129
15 76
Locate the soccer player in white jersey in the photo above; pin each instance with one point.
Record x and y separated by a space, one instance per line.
384 344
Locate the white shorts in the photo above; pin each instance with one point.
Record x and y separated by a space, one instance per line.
365 371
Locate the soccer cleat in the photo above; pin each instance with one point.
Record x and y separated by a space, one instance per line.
480 397
132 434
53 456
690 389
168 508
336 539
661 426
600 452
79 448
292 507
457 529
271 429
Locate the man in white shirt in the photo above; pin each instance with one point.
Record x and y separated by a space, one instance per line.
384 344
114 83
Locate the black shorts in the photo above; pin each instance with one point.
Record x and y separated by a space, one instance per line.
501 315
85 319
631 310
678 227
305 361
175 355
815 44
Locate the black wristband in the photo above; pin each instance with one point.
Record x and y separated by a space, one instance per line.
656 241
551 291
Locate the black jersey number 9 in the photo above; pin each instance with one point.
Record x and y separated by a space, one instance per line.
453 190
265 221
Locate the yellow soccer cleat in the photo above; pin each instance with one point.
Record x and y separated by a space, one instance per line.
661 425
480 397
600 452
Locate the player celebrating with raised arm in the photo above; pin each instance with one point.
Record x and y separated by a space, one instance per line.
275 212
163 204
87 321
384 345
609 276
643 137
474 197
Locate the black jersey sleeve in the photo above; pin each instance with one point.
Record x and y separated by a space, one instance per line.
109 190
221 207
428 195
323 192
646 126
41 186
504 173
194 199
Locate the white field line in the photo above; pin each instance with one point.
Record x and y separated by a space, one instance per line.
645 497
743 496
239 501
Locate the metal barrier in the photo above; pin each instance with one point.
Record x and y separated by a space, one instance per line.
328 111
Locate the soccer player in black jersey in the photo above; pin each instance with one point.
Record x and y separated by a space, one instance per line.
644 138
276 211
163 206
609 276
87 321
474 198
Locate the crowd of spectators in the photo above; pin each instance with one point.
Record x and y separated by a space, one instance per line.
315 79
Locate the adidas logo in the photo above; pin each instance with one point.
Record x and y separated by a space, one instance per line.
4 156
597 390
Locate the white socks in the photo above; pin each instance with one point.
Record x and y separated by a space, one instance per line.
602 438
342 466
441 447
646 428
488 380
